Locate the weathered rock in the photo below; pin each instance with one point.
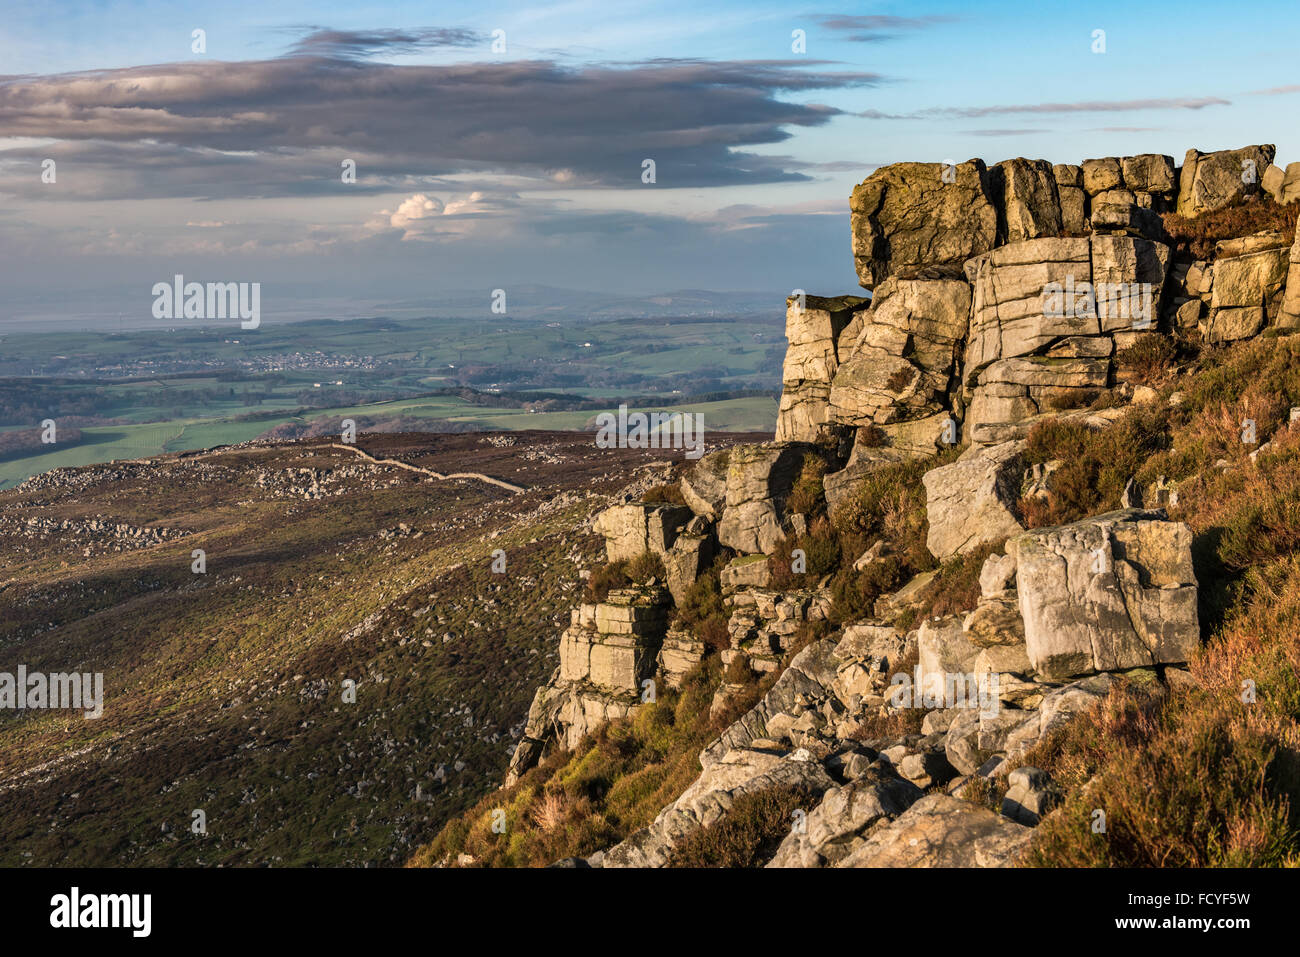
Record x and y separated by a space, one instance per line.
970 502
632 529
1247 292
1013 390
880 646
704 486
943 831
1271 182
901 364
1121 267
944 653
1213 180
678 655
1010 314
1073 199
1101 175
747 571
1149 173
1003 659
997 574
926 769
1129 220
809 677
812 328
833 828
709 797
1289 191
615 651
995 621
910 217
1289 313
1031 795
1058 706
1113 197
1154 175
686 561
1254 243
1106 594
759 480
1029 204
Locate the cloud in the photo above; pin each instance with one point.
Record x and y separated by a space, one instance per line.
1087 106
412 211
282 127
871 28
1002 132
881 115
349 44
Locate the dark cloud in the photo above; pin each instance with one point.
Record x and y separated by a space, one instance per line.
281 127
366 43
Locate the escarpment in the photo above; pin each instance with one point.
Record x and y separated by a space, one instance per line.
1002 298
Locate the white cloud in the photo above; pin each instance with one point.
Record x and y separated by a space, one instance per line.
410 213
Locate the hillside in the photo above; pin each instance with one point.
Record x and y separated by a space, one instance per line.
223 690
1014 585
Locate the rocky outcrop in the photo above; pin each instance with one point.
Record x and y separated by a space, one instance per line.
1073 199
1107 594
1211 181
812 328
1002 296
1247 293
1289 314
807 680
759 480
632 529
689 558
764 623
678 655
704 485
1031 795
972 502
607 653
910 219
902 361
1029 204
1008 314
943 831
833 829
741 771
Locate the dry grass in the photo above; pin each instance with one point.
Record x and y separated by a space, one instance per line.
1198 774
616 781
750 832
1196 236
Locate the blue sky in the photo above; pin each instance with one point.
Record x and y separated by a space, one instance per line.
478 168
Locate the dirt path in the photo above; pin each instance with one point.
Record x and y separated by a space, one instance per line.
397 463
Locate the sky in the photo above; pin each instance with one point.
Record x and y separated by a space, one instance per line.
501 145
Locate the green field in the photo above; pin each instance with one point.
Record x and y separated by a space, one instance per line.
104 444
138 394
